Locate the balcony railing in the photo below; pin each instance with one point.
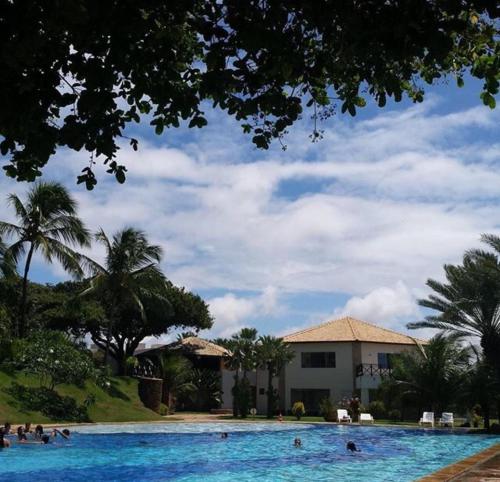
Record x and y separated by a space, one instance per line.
371 370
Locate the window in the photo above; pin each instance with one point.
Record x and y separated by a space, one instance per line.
384 360
311 398
318 359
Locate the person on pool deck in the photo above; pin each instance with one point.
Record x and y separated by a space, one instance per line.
352 446
297 442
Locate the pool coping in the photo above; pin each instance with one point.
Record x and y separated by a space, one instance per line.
462 467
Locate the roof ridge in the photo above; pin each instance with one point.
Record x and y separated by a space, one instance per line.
314 327
383 328
353 325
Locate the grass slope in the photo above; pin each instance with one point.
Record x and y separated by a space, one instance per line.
120 404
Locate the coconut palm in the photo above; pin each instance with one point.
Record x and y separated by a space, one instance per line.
130 284
433 375
273 354
469 301
48 223
7 267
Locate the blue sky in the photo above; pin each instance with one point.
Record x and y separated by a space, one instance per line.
280 240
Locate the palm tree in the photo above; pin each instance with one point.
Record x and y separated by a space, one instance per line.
129 282
273 355
48 223
7 267
433 376
469 301
175 371
242 358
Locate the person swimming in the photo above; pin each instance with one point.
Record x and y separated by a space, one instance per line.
45 439
224 435
352 446
297 442
7 428
38 432
21 435
65 433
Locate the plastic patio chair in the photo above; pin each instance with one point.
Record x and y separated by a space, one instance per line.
446 419
343 416
427 418
366 417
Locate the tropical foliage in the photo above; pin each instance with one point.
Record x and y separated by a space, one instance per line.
48 223
54 359
273 355
76 73
468 304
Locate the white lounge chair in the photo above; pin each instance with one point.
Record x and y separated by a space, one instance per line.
366 417
427 417
343 416
446 419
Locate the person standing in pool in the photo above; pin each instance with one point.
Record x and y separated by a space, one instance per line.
4 442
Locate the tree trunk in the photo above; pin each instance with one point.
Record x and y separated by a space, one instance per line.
21 327
486 411
235 390
270 393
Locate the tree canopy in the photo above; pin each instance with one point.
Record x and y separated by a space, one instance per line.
76 73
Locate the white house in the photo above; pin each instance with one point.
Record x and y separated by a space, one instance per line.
338 359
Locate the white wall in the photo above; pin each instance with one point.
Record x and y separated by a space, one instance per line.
339 380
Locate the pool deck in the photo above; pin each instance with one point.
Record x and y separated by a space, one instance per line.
481 467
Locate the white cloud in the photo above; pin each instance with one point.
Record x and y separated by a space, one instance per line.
384 306
231 312
393 198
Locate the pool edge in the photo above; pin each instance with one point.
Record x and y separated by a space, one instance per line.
462 467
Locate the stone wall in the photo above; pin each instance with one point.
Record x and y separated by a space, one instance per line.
150 392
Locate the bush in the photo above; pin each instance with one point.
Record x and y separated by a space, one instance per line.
354 408
377 409
328 410
54 359
394 414
50 403
298 410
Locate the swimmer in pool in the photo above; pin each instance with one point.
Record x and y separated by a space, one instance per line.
297 442
351 446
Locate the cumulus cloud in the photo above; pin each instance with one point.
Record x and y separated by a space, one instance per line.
384 305
231 312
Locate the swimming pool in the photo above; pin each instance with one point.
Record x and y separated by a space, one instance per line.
253 451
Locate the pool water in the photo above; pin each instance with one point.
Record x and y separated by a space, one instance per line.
253 451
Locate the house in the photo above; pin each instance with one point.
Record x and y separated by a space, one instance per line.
202 354
337 359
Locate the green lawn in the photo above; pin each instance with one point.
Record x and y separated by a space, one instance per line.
120 404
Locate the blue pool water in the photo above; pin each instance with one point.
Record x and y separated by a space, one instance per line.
253 451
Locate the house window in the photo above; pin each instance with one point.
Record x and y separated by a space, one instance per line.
311 398
318 359
384 360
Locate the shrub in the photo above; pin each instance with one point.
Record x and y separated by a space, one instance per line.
354 408
50 403
328 410
298 410
394 414
377 409
54 359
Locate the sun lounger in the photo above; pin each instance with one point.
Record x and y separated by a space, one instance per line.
446 419
343 416
366 417
427 418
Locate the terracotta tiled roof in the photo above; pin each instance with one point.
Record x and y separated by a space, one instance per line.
192 345
350 329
